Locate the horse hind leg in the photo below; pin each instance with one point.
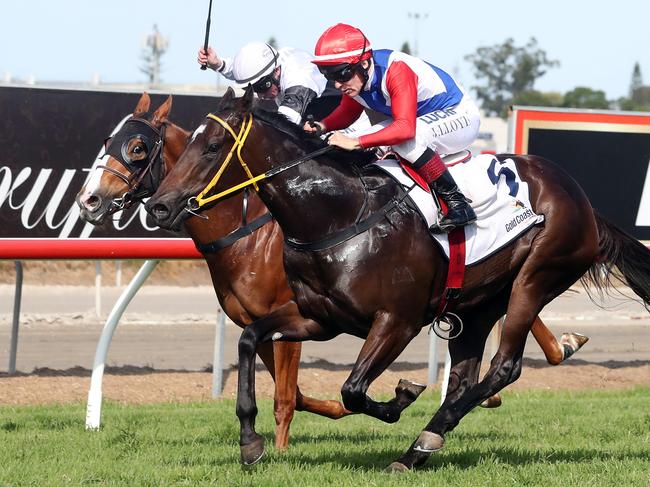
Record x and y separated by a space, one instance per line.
466 352
556 351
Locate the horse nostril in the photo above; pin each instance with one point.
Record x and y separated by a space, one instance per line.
159 211
92 203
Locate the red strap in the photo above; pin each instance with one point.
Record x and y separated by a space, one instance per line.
414 175
456 272
457 251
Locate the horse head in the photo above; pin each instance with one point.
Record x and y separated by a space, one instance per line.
219 144
132 162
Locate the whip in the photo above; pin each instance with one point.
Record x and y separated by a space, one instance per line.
207 36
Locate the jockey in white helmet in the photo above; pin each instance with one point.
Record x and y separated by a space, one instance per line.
285 75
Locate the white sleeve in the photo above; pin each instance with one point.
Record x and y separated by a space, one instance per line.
291 114
226 68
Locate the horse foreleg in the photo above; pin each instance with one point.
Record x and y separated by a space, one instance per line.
288 397
274 327
386 340
556 351
287 360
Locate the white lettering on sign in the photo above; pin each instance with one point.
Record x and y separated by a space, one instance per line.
35 182
643 215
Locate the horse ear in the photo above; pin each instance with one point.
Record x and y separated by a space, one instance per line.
245 103
226 101
162 113
143 105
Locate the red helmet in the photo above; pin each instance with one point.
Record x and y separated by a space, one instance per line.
342 44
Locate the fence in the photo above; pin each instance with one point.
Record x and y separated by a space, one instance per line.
49 138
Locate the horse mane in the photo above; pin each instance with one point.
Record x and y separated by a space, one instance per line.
309 142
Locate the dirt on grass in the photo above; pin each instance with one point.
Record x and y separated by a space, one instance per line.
136 385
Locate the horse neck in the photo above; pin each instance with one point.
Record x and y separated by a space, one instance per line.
311 200
173 145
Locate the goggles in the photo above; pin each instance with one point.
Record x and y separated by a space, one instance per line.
341 72
345 71
264 83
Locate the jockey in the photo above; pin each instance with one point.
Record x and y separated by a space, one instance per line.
285 75
430 114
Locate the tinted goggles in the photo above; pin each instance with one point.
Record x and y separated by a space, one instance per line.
341 73
263 84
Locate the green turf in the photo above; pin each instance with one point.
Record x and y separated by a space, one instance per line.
535 438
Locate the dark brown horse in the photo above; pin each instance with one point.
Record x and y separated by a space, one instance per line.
118 186
384 282
247 275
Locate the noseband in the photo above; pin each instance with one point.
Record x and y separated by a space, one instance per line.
116 146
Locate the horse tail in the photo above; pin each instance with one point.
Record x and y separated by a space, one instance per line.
623 259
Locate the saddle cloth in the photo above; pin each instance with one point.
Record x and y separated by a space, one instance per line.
499 198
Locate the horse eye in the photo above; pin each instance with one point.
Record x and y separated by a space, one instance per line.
214 147
138 149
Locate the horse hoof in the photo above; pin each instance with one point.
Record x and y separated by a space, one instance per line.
411 389
492 402
571 343
429 442
252 452
396 467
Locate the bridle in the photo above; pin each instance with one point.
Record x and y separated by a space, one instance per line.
196 202
136 128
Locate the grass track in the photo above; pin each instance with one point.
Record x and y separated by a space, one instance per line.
536 438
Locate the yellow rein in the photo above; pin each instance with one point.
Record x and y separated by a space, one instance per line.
238 145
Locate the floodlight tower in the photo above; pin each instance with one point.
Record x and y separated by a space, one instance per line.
416 16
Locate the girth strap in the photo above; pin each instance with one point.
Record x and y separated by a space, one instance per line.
352 231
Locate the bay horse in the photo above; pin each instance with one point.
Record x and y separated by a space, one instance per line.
247 272
384 283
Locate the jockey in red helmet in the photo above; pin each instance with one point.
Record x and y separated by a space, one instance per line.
430 114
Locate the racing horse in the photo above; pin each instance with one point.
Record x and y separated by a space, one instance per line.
245 262
360 261
120 184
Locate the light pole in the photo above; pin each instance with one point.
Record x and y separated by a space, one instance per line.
154 46
416 16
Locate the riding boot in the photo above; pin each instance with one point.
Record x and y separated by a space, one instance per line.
430 166
459 212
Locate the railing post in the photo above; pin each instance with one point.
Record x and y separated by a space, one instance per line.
94 407
217 362
432 377
13 349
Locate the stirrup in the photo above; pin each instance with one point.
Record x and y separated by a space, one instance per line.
450 226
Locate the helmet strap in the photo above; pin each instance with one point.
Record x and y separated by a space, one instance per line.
276 80
363 72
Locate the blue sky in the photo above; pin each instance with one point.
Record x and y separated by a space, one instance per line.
597 42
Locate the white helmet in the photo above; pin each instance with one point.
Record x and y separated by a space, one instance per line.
254 61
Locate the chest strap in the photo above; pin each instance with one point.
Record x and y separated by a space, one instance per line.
235 235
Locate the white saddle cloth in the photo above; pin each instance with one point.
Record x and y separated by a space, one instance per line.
499 198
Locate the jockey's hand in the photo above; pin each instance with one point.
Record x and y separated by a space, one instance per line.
343 141
312 127
209 59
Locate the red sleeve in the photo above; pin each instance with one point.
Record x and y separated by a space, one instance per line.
402 85
344 115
